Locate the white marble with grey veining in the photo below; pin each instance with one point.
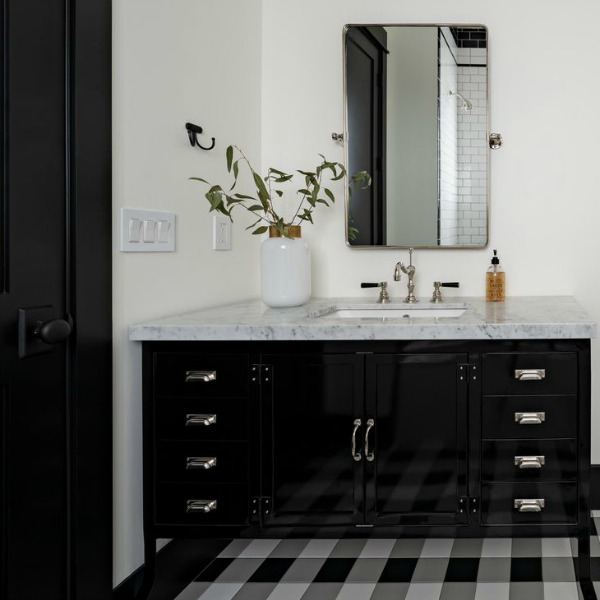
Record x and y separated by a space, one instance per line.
527 317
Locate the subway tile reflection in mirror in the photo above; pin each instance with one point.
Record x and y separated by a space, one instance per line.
417 120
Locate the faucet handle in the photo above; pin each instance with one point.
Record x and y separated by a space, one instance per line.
383 294
437 294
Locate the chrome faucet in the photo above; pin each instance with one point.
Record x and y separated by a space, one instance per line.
410 271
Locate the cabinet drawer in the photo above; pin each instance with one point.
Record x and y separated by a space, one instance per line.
201 375
213 504
498 503
202 462
530 373
529 460
202 419
518 416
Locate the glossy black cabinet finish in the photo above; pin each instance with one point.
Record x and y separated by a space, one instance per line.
377 439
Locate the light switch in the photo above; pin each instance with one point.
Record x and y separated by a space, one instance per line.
135 228
147 231
163 231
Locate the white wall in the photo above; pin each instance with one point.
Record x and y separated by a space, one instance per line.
545 199
174 61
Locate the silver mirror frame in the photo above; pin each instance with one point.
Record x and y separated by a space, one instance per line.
346 140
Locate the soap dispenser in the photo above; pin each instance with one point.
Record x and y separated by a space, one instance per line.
495 289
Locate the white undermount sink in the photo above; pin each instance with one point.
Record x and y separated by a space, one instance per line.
432 311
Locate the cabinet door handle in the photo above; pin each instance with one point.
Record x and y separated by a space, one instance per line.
530 374
530 418
200 462
355 455
196 419
530 505
192 376
370 456
203 506
530 462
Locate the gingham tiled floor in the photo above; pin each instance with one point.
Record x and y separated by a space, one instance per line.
394 569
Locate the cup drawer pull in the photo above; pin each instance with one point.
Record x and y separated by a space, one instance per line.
193 376
203 506
530 374
530 505
530 462
200 462
530 418
192 420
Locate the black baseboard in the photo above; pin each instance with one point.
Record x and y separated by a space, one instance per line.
176 565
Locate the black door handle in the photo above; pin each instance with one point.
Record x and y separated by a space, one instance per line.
54 331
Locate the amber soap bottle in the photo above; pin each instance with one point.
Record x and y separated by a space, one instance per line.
495 281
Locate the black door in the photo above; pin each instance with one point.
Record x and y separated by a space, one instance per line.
55 371
311 473
418 407
366 60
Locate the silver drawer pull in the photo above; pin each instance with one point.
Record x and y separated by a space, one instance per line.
195 419
530 462
356 455
530 374
370 456
530 418
203 506
530 505
191 376
200 462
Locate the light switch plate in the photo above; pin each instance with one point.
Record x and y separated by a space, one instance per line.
221 232
147 231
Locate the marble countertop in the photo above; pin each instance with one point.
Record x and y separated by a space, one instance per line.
526 317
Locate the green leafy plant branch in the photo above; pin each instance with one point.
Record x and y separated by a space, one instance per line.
261 205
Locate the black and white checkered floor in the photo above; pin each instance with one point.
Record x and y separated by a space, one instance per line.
395 569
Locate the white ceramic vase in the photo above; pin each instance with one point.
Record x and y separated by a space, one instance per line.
285 269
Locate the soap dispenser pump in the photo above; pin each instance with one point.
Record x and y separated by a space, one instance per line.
495 280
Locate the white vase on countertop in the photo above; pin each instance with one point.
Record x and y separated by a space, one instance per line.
285 268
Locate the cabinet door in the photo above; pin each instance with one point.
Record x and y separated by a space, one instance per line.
417 473
309 413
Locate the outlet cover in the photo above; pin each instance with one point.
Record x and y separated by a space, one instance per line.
221 232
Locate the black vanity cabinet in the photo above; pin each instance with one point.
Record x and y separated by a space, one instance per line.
378 438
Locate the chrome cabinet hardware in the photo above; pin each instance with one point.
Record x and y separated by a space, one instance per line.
437 293
530 374
530 418
370 456
200 462
203 506
410 272
530 504
530 462
196 419
384 297
192 376
495 141
355 455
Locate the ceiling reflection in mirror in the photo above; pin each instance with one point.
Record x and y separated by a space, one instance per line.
417 121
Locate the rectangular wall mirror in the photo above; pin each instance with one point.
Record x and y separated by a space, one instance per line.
417 120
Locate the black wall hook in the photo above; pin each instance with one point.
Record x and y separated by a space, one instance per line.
193 131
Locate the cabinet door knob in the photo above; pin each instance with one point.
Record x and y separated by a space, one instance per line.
193 376
200 462
530 504
530 462
530 374
203 506
196 419
530 418
355 455
370 456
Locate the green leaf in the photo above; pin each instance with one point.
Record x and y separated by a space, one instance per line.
279 193
200 179
321 201
229 154
260 230
304 191
244 196
263 194
255 207
283 179
253 225
329 194
307 173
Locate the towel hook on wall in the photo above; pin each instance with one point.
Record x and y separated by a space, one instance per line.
193 131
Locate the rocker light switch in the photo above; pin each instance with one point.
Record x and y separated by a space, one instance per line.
147 231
